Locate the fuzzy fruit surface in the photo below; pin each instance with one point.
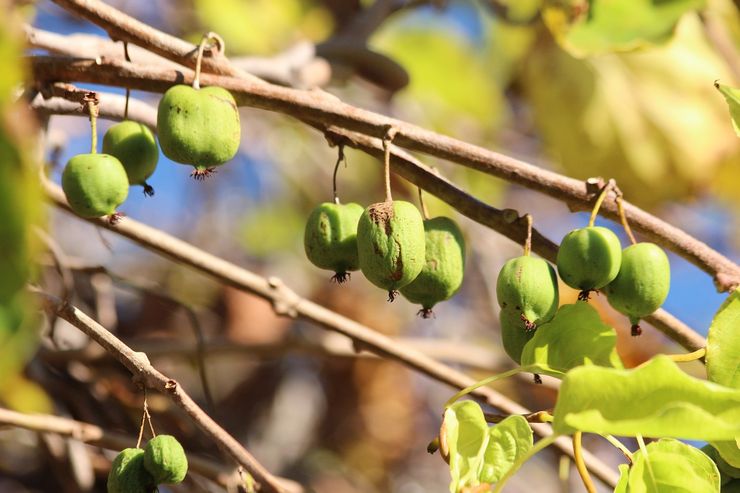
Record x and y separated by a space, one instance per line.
164 459
444 264
513 333
94 184
528 287
198 127
589 258
330 238
643 281
127 473
134 145
390 244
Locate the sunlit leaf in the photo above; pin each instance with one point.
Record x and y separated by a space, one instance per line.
671 466
732 96
466 435
729 450
626 116
726 470
624 476
575 336
508 441
656 399
723 343
601 26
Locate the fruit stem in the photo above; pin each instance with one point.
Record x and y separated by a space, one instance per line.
422 205
599 201
693 356
623 219
528 240
207 37
580 464
145 417
387 139
92 109
128 91
340 158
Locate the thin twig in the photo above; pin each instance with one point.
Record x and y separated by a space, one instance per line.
138 364
325 110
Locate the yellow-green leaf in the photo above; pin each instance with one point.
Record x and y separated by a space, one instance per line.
656 399
732 96
671 466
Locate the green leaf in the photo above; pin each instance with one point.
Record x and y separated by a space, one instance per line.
624 475
575 336
727 471
732 96
729 450
507 442
670 466
723 343
466 435
585 28
656 399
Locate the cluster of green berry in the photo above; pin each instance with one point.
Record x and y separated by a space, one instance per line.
136 470
396 249
199 127
636 281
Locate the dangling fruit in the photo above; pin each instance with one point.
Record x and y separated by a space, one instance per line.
94 184
134 145
390 244
165 460
642 283
330 238
444 264
528 287
198 127
128 475
589 259
513 333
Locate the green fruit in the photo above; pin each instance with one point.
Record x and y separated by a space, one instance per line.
330 238
164 459
133 144
198 127
95 184
390 244
589 258
514 335
642 283
528 287
444 264
128 475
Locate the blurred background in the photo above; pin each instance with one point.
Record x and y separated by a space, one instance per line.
526 78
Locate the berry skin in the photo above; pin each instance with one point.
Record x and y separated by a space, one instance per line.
94 184
642 284
513 334
198 127
589 258
165 460
134 145
330 238
442 274
390 244
128 475
527 288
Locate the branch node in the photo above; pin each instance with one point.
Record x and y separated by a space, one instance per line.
284 300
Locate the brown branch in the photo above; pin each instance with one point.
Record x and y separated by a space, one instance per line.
325 110
95 435
122 27
144 372
405 165
287 303
298 66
